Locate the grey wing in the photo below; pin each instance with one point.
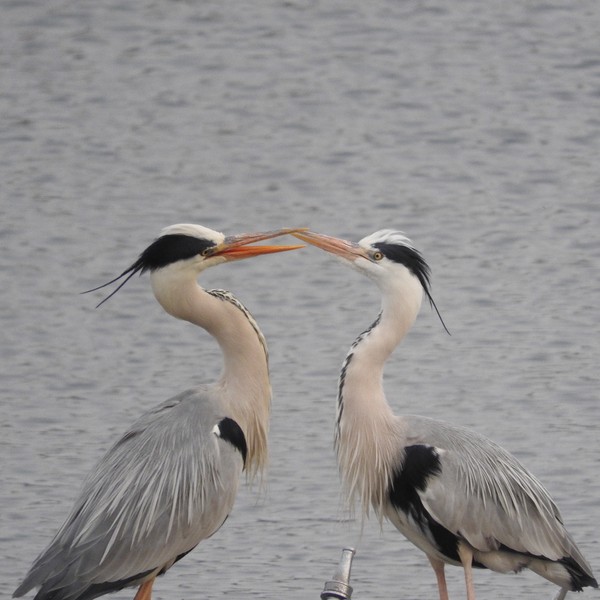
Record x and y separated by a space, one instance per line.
169 483
484 495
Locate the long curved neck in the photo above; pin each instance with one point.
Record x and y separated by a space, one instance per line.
367 432
244 383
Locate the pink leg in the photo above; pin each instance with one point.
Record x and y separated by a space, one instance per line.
438 568
145 590
466 558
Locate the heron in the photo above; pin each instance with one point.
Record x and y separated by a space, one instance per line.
171 480
459 497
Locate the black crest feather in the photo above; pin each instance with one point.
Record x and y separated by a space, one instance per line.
164 251
413 260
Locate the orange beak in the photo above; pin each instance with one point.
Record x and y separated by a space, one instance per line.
236 247
342 248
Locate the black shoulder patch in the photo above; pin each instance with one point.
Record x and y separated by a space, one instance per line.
420 463
230 431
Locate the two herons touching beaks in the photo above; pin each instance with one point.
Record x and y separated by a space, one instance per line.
172 478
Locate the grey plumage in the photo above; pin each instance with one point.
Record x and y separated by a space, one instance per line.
484 496
458 496
172 478
183 478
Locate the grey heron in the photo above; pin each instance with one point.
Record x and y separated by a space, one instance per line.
170 481
459 497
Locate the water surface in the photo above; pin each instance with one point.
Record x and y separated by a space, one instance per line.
474 127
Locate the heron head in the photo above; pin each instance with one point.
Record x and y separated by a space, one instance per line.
388 253
194 248
381 256
386 256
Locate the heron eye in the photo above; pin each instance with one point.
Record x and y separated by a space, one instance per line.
205 252
377 255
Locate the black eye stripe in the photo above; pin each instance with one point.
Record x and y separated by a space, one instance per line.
414 262
171 248
164 251
409 257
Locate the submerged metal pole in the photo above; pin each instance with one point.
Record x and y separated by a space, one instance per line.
339 587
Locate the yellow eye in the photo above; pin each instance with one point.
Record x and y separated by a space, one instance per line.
377 255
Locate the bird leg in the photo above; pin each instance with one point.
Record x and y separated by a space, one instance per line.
561 594
438 569
145 590
466 558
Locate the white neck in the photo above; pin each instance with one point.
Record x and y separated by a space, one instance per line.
244 384
367 432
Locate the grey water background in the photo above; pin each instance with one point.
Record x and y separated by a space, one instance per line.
472 126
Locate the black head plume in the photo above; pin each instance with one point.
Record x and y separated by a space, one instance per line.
413 260
164 251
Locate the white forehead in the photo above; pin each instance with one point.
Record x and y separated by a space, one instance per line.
193 230
387 236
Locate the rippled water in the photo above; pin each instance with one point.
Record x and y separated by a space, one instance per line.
472 126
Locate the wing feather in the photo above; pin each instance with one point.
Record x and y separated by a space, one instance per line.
484 495
164 486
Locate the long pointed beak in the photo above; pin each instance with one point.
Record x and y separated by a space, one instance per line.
342 248
236 247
